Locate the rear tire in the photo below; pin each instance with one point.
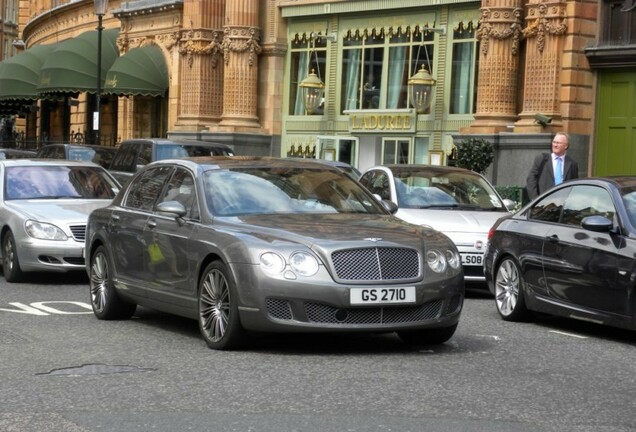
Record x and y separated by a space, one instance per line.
219 320
106 303
509 291
10 262
435 336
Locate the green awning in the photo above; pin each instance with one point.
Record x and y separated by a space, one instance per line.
72 66
140 71
20 74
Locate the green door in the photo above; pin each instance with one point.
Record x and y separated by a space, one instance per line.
615 148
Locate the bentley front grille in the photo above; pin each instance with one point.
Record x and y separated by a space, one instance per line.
376 264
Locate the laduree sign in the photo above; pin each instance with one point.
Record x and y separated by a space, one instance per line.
373 121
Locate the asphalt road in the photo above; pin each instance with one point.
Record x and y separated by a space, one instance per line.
63 370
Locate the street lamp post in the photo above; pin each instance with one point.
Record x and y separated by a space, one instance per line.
100 11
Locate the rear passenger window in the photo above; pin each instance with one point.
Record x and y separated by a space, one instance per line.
146 189
124 160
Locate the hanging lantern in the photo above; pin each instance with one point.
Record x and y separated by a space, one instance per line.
420 90
313 90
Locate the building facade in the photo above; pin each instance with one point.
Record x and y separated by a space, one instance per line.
513 72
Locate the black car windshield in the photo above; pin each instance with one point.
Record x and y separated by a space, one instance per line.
55 182
285 190
419 189
629 199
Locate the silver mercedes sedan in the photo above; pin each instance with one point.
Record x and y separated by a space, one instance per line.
246 244
44 205
458 202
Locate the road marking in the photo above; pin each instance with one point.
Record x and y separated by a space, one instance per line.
41 308
567 334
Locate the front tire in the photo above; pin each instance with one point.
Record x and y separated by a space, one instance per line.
219 320
509 291
106 303
435 336
10 262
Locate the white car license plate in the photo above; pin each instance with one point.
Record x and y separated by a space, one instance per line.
361 296
469 259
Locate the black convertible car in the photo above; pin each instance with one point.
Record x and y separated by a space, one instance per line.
571 252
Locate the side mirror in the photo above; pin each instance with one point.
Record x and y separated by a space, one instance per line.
597 223
510 204
173 208
390 206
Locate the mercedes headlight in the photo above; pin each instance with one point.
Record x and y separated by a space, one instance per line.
44 231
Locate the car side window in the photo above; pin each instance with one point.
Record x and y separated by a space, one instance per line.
124 160
378 183
145 154
586 201
144 191
550 207
181 188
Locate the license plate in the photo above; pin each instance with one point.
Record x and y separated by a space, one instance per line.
361 296
472 259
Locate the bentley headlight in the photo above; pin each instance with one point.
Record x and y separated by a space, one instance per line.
44 231
436 260
303 263
453 259
272 262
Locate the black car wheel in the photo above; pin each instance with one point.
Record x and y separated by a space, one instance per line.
218 309
106 303
509 295
10 261
434 336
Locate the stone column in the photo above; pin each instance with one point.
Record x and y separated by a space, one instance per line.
200 65
500 32
241 47
545 34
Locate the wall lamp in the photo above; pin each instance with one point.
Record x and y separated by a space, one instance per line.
312 87
421 84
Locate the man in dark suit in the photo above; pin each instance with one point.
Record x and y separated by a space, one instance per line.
549 170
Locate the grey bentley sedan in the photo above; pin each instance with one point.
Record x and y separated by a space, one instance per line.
247 244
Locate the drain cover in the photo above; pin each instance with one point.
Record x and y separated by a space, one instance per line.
96 369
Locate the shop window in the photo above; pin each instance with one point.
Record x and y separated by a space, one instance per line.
306 56
377 65
396 151
340 149
463 89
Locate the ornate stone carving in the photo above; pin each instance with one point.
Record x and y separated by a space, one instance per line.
169 40
200 43
240 40
500 24
125 44
544 21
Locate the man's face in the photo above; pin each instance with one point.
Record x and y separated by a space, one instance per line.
559 145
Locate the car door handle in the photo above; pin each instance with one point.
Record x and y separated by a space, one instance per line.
114 217
152 224
553 238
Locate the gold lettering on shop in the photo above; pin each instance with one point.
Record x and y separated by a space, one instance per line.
386 122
